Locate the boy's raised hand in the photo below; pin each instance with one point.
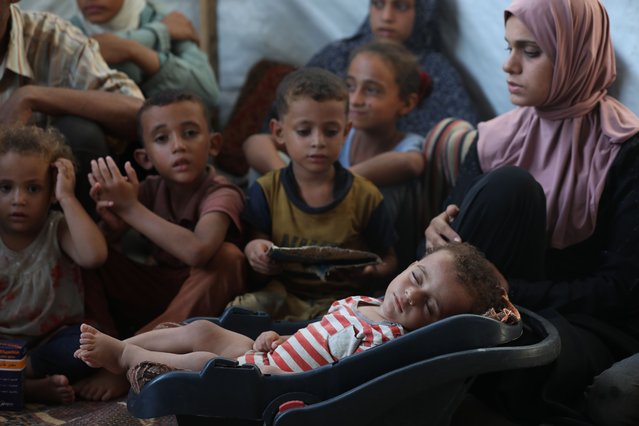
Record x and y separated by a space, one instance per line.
65 179
119 192
112 221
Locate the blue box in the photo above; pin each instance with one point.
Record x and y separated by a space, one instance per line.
13 359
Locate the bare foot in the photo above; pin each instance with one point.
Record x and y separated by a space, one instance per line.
49 390
99 350
102 386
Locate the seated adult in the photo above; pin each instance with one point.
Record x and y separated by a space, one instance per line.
52 74
156 50
549 191
410 22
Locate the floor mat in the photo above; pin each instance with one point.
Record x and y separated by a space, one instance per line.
113 413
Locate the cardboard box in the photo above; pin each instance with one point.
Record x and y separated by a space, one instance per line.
13 359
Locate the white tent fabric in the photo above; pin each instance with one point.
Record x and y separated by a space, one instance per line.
292 30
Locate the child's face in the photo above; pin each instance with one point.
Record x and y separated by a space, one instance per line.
26 193
313 133
373 93
392 19
99 11
177 141
529 69
427 291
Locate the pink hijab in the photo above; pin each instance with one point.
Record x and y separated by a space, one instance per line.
570 141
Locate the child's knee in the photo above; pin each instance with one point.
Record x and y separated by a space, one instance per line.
201 329
229 256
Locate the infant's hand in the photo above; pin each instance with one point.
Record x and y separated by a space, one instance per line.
268 341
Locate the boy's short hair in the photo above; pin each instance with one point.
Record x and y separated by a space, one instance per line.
403 63
168 97
314 83
33 140
481 279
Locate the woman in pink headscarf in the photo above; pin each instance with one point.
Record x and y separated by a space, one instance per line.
550 192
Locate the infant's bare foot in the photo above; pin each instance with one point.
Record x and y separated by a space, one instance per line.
53 389
99 350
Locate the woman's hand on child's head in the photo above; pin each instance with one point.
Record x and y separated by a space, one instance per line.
255 252
268 341
64 179
439 231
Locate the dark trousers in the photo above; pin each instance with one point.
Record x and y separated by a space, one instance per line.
504 215
54 355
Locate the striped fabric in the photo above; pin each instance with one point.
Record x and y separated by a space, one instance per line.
46 50
342 331
445 147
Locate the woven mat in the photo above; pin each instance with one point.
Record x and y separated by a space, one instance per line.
80 413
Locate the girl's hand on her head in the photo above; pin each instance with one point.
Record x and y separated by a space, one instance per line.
439 231
64 179
268 341
255 252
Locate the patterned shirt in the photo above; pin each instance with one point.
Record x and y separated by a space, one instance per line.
341 332
40 288
46 50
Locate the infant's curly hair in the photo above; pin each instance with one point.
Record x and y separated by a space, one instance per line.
33 140
481 279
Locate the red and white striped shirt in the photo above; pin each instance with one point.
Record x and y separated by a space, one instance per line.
341 332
